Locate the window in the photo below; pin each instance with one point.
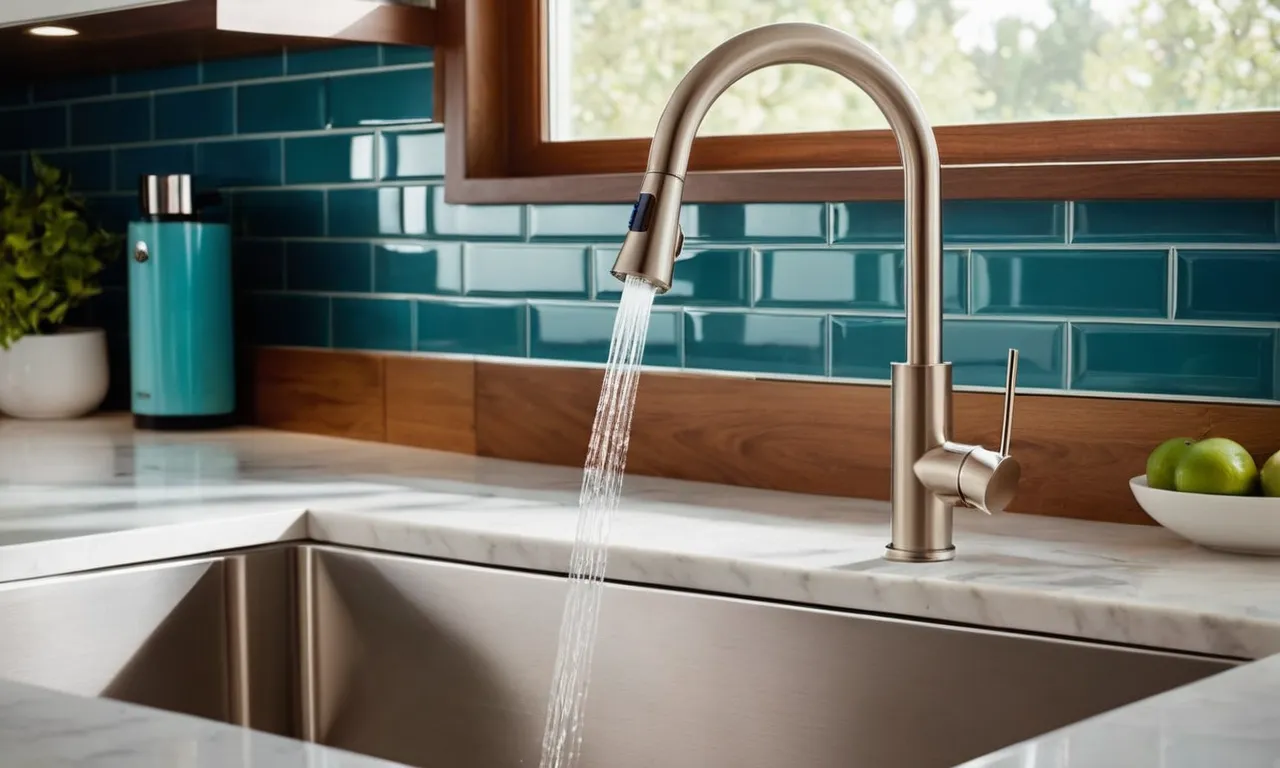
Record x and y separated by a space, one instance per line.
613 63
553 100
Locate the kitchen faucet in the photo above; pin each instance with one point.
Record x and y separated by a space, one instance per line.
930 472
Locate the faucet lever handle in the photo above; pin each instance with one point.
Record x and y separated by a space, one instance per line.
1010 384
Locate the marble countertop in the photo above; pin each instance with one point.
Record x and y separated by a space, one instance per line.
95 493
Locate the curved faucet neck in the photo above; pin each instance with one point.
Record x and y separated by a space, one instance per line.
797 43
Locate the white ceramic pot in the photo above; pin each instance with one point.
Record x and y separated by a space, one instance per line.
58 376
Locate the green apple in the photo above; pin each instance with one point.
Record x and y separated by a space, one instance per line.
1218 466
1164 460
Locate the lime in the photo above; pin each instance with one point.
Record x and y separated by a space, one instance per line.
1216 465
1164 460
1271 476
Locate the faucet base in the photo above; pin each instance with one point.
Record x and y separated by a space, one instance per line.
895 555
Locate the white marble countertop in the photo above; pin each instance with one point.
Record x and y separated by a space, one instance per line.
94 493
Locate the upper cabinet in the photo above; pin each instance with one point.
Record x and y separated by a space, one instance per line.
97 35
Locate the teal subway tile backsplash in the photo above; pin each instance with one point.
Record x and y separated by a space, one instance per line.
963 222
111 121
333 172
751 223
33 128
158 79
429 269
867 279
1118 283
72 88
314 265
380 98
279 213
329 159
290 320
538 271
249 68
411 154
864 347
1176 221
707 276
90 170
259 264
1229 285
473 328
241 163
290 105
769 343
331 59
191 114
582 332
134 162
1174 360
381 324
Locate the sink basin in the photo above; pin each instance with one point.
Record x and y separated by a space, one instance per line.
434 663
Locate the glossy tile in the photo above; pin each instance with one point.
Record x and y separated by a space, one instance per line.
1121 283
381 98
90 171
582 333
406 155
112 212
291 105
753 222
113 121
870 278
225 70
864 348
426 268
419 211
336 267
963 222
1176 221
756 341
546 272
406 54
579 222
329 159
33 128
247 163
157 79
306 62
192 114
1229 285
134 162
290 320
385 324
72 88
285 213
703 277
259 264
1174 360
489 328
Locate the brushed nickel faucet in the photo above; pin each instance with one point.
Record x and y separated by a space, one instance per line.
930 472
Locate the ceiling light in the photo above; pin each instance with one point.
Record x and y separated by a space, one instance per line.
52 32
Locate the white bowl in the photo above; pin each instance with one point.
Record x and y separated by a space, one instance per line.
1247 525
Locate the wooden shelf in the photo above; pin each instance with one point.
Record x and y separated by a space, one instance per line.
181 32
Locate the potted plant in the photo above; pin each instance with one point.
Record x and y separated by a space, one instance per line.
51 257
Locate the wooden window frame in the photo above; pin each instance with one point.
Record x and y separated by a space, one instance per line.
491 68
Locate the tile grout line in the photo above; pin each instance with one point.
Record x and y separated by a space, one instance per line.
1171 290
1070 222
1067 365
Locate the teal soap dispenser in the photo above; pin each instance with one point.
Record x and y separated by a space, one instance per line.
181 345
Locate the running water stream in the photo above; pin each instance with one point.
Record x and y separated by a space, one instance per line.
601 489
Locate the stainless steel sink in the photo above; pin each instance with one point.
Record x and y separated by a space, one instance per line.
443 664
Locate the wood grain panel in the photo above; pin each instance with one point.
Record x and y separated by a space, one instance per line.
431 403
1077 453
321 392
